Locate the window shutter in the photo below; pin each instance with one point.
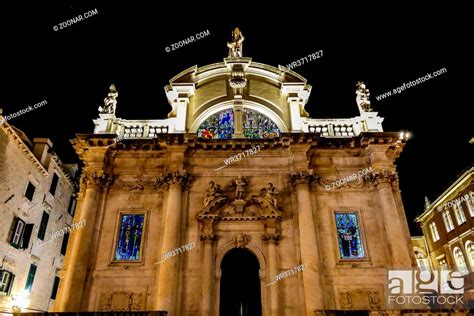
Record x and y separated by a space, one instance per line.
12 229
12 279
25 241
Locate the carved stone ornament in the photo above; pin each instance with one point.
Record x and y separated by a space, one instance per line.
382 176
176 178
360 299
302 177
235 205
96 178
240 240
121 301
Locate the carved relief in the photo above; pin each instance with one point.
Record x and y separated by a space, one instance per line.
121 301
220 205
240 240
360 299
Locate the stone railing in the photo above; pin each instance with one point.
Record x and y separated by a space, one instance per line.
349 127
132 129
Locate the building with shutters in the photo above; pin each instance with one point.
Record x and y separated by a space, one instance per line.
37 198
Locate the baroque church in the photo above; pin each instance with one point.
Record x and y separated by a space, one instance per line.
174 225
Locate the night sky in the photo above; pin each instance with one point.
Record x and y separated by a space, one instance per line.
124 44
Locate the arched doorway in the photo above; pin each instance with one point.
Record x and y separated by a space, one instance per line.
240 284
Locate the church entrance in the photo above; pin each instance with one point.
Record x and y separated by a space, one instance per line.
240 284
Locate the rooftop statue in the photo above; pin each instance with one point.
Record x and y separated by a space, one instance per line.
110 101
235 47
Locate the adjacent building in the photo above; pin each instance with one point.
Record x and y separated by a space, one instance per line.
448 230
37 198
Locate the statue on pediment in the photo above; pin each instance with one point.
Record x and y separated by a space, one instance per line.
110 101
235 46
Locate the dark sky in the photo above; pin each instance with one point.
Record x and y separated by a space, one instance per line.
125 44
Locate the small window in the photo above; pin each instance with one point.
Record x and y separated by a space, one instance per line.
459 212
30 191
72 206
18 230
434 231
6 281
43 225
64 244
448 221
31 278
20 234
55 288
54 184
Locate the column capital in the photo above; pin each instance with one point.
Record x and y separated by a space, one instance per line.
95 178
177 179
382 178
208 238
302 178
271 238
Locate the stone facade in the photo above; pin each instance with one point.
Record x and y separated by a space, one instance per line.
279 203
23 162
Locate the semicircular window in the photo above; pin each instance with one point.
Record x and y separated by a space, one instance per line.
218 126
257 125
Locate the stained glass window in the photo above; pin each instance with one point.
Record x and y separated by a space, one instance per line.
349 236
218 126
257 125
129 237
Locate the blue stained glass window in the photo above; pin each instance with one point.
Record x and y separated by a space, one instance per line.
130 237
257 125
349 236
218 126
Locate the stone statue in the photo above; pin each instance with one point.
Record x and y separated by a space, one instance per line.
269 193
235 47
239 188
110 102
362 98
213 192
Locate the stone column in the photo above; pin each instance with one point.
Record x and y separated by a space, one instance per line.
271 241
393 218
207 289
167 281
79 252
312 281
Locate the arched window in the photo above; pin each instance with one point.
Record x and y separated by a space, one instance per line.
257 125
448 221
221 125
470 253
218 126
421 260
460 262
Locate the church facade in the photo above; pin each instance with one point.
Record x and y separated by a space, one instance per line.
238 203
